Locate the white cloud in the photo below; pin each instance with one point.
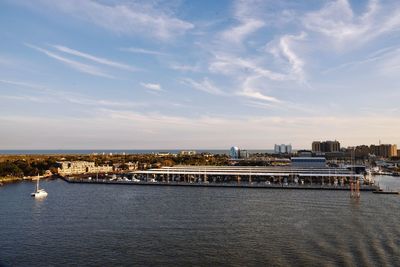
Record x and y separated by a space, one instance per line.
100 60
337 21
23 84
143 51
283 49
246 27
259 96
152 86
245 13
89 69
123 18
46 95
228 64
251 89
205 85
184 68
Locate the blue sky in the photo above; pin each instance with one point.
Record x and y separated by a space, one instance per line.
198 74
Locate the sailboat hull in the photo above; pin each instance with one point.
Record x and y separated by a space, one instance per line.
39 194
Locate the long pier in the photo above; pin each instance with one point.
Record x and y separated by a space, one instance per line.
238 177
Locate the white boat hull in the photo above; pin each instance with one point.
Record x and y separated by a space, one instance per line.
39 194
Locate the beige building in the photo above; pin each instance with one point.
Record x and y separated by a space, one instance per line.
325 146
384 150
187 152
81 167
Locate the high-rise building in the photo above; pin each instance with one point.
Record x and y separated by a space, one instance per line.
234 152
325 146
384 150
283 149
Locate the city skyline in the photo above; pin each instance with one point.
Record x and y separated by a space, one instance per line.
192 75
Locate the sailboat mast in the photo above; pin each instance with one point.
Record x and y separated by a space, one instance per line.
37 183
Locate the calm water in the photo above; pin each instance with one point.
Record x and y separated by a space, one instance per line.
108 225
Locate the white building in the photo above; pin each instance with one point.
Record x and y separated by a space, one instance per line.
187 152
81 167
283 149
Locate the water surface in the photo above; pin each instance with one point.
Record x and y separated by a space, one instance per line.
107 225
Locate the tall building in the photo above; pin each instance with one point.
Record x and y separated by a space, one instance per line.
283 149
325 146
234 152
384 150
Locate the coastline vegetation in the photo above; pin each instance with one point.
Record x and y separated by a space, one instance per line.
15 167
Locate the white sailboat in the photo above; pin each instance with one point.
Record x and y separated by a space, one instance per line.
39 193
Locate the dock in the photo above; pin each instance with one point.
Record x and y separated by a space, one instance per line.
251 177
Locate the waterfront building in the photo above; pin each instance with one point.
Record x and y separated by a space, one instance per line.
384 150
308 162
283 149
164 154
81 167
131 166
325 146
187 153
304 153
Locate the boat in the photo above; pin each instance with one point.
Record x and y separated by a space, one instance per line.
39 193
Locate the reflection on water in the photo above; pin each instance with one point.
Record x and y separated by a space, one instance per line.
107 225
388 183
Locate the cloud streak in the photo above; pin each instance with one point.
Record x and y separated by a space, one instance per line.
100 60
81 67
205 85
138 50
123 18
152 86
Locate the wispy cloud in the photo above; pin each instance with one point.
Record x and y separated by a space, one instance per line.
23 84
337 20
124 18
100 60
44 94
251 89
152 86
229 64
238 33
387 54
244 13
185 68
89 69
283 49
205 85
143 51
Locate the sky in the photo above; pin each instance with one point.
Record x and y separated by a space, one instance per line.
174 74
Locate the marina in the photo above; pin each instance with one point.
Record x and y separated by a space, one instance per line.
238 177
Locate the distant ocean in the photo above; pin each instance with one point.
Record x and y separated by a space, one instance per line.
119 151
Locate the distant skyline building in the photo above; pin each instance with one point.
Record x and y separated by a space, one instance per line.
283 149
236 153
384 150
325 146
